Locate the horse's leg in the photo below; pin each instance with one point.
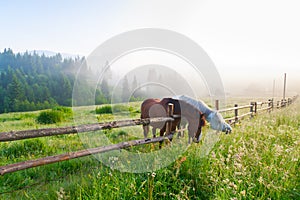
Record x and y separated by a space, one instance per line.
146 130
190 133
154 131
173 128
172 133
178 132
161 133
178 127
198 134
199 128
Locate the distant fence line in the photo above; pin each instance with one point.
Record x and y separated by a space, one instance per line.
254 108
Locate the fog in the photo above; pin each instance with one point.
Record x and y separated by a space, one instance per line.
252 43
159 74
260 84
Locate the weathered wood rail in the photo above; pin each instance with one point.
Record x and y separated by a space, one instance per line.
19 135
254 108
26 134
77 154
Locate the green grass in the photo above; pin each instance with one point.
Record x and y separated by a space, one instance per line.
259 160
55 115
107 109
118 108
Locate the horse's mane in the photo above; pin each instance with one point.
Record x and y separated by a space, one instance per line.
192 110
198 104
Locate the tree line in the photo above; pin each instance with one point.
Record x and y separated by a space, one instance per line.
32 82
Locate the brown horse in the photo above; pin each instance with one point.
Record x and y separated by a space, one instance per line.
158 108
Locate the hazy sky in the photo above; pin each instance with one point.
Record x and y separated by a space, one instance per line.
253 42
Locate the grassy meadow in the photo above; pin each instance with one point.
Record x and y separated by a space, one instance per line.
258 160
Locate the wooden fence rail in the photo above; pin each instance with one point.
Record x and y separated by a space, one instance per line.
26 134
254 108
77 154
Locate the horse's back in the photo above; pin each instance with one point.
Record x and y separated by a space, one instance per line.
166 101
146 105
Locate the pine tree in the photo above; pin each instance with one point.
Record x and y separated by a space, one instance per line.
15 93
105 89
125 90
2 95
134 86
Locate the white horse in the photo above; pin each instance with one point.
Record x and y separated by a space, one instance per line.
215 119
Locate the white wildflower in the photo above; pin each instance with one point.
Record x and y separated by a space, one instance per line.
260 180
153 174
243 193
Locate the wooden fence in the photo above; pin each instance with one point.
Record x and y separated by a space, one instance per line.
254 108
19 135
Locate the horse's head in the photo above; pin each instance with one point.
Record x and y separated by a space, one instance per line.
217 122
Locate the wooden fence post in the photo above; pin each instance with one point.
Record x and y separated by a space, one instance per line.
217 104
170 111
236 114
270 105
283 104
252 109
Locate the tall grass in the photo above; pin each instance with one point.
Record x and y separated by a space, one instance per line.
259 160
55 115
118 108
